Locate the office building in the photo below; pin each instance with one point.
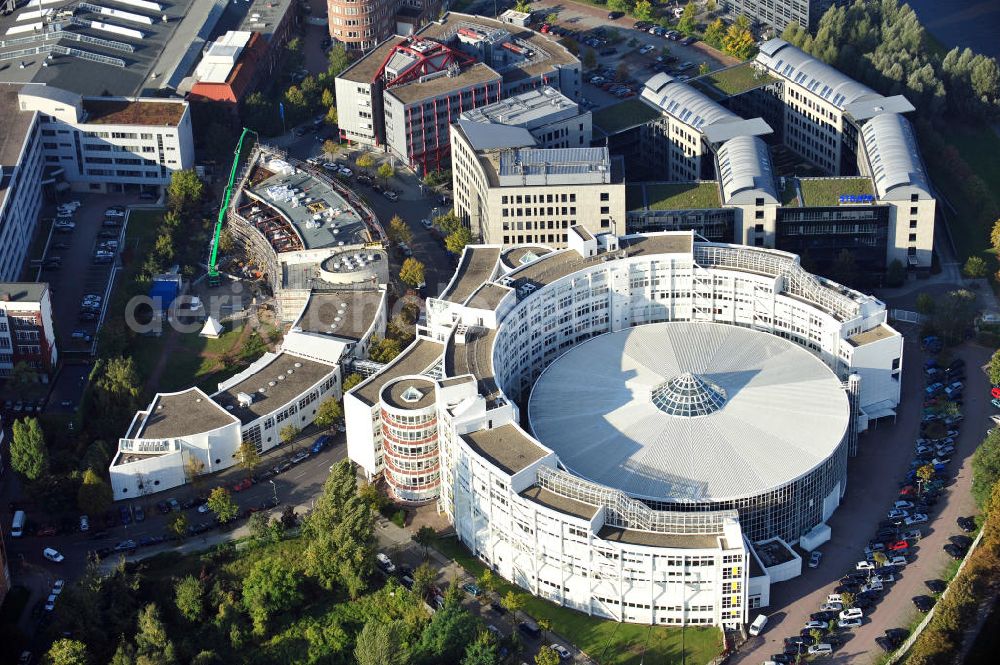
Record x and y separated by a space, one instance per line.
26 331
404 94
541 373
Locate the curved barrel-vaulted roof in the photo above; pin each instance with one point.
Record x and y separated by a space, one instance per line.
894 157
745 171
685 103
687 411
795 65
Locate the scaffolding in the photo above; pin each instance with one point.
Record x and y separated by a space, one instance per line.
628 513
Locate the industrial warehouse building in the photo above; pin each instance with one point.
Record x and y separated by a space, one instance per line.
591 419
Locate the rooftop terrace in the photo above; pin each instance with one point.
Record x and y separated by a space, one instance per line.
686 541
272 385
624 115
182 414
876 334
478 263
563 504
342 314
507 447
673 196
131 112
827 191
415 359
731 81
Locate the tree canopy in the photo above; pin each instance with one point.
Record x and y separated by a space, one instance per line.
29 455
271 587
221 502
412 272
95 496
457 240
399 231
328 413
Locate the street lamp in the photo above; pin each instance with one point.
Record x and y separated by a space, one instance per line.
275 488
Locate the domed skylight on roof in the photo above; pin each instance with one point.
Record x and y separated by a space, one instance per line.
688 396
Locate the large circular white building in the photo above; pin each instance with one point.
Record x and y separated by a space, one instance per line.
700 416
637 427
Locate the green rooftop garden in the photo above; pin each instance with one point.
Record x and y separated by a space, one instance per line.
624 115
827 191
734 80
789 195
673 196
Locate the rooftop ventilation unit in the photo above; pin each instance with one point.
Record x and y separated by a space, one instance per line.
244 400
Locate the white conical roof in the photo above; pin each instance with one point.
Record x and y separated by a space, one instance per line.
212 328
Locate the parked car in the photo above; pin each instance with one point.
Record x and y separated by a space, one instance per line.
563 652
472 589
53 555
391 195
319 444
814 558
385 563
849 623
923 603
174 505
125 546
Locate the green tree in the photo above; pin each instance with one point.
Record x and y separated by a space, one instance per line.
260 530
619 5
220 502
383 350
95 495
341 534
152 645
97 457
114 395
29 455
995 235
365 161
523 6
446 637
269 588
379 643
975 267
425 537
289 433
424 577
184 192
328 413
331 117
327 99
986 465
925 473
954 314
330 148
589 59
448 223
189 596
739 43
704 68
512 602
399 231
457 240
207 657
249 456
711 6
551 18
546 656
482 651
487 581
993 368
715 32
643 10
895 274
385 171
23 374
686 24
352 380
925 304
880 559
816 634
67 652
179 526
339 59
412 272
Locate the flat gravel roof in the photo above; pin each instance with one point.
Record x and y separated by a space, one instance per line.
783 412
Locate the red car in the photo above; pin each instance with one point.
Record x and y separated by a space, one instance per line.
908 491
242 485
995 392
898 545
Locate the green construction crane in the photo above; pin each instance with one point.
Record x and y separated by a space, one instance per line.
213 260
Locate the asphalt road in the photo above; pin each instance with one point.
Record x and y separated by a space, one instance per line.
883 459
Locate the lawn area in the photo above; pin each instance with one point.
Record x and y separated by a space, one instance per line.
680 196
623 115
971 222
734 80
607 642
827 191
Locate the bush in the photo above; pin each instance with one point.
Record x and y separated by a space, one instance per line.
398 518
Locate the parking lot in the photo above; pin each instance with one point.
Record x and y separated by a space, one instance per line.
874 478
72 272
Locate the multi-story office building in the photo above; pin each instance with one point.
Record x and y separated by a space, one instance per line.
509 192
779 13
553 119
26 331
594 347
22 174
111 143
404 94
360 26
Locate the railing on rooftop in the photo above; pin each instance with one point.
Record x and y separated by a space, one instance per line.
628 513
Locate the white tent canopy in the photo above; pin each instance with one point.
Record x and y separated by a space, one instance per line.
212 328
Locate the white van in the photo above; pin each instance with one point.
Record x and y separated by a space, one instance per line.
757 627
17 525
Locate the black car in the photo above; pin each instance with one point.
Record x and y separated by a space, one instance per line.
923 603
897 635
781 658
936 586
962 541
954 551
885 644
967 524
498 608
614 16
825 615
851 587
794 649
